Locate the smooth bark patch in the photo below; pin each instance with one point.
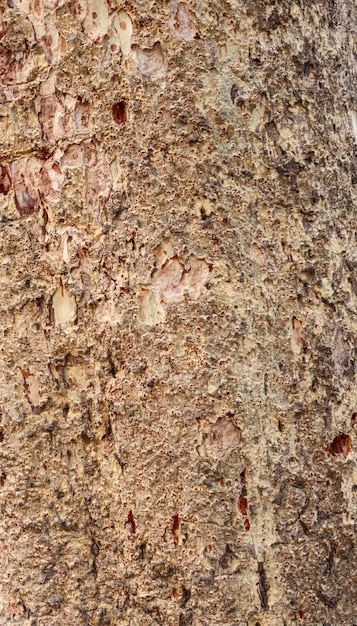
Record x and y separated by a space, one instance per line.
64 306
152 61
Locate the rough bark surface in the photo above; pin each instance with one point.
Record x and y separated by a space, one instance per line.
178 313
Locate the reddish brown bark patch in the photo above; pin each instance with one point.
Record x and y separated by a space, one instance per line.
341 446
25 204
120 112
5 180
221 438
176 529
131 525
243 505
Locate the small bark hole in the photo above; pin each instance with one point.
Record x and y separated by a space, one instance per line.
176 529
131 525
120 112
234 93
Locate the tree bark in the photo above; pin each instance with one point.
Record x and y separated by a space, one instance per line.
178 313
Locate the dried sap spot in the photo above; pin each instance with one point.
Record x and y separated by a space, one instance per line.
64 306
183 21
5 180
341 446
120 112
221 438
151 61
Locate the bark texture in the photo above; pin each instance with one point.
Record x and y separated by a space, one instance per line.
178 313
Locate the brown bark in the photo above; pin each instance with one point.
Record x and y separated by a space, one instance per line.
178 301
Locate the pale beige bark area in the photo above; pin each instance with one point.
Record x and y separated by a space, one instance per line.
178 313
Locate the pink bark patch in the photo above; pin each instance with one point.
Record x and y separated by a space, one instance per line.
52 119
183 21
25 175
5 180
152 62
170 285
221 438
98 178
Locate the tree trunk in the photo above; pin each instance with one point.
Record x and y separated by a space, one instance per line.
178 293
